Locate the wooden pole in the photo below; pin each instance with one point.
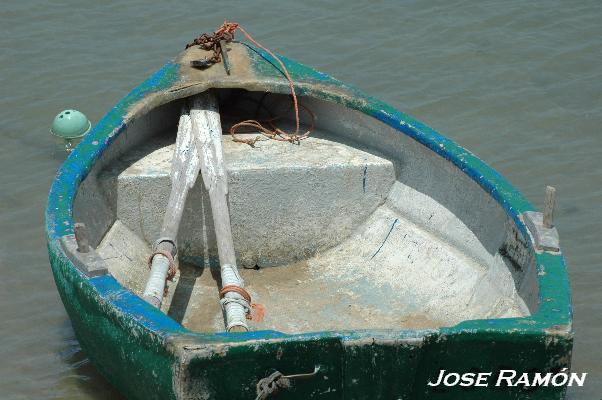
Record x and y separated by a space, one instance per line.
548 208
206 123
184 172
81 237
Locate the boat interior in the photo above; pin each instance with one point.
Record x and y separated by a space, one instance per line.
356 227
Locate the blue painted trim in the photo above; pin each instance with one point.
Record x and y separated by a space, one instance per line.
440 144
124 301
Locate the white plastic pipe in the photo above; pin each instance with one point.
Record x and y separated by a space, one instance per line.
235 305
155 286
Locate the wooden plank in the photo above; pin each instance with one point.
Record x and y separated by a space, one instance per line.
184 172
206 123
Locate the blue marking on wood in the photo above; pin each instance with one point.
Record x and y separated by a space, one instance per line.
443 146
364 178
386 237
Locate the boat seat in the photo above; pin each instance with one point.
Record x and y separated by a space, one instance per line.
325 191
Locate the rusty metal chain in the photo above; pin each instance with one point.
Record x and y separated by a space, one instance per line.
216 43
213 43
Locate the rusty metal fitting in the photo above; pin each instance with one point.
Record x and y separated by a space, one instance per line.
235 289
172 265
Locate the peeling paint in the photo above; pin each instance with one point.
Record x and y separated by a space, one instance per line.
147 355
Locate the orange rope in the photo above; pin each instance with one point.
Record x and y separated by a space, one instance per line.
227 30
288 76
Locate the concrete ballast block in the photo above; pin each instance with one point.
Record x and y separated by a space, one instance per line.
286 201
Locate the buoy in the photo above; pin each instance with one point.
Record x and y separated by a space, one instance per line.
70 126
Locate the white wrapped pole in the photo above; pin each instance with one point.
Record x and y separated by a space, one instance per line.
205 118
155 286
184 172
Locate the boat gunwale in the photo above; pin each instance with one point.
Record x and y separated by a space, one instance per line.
553 317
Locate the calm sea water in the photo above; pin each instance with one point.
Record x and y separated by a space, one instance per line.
519 83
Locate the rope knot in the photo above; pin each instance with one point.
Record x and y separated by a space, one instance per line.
271 384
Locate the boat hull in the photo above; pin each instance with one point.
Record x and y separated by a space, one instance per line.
147 355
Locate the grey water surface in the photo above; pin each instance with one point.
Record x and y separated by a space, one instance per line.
519 83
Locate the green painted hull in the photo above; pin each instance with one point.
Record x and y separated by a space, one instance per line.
146 355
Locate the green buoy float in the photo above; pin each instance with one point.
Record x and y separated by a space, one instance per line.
69 127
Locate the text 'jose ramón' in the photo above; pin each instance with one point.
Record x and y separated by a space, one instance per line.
509 378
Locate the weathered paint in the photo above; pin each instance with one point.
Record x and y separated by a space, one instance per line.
145 354
184 172
207 129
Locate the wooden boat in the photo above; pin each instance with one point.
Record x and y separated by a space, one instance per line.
377 252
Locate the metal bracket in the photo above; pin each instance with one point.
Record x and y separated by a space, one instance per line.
544 238
225 59
89 263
